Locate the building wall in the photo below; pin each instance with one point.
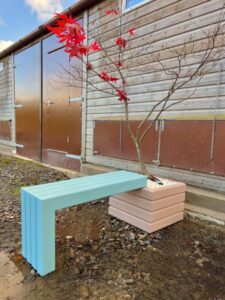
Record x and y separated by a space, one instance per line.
164 24
7 99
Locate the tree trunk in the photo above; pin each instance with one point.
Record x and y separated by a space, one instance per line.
143 165
139 155
137 145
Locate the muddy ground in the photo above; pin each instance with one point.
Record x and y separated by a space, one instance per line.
101 258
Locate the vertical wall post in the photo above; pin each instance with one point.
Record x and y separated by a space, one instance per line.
41 101
13 126
84 102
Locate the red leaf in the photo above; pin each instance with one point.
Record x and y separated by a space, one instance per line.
113 79
121 42
95 46
119 64
112 12
104 76
131 31
71 33
122 95
83 50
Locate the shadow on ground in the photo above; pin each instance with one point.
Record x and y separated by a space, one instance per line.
101 258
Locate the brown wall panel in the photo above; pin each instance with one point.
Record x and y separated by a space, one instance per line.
107 138
186 145
219 149
5 130
74 127
111 138
149 144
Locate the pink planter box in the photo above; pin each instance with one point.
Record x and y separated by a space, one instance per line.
151 208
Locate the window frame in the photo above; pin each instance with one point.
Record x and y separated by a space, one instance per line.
124 9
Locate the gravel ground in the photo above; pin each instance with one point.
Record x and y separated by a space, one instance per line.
101 258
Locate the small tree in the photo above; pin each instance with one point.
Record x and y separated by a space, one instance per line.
116 62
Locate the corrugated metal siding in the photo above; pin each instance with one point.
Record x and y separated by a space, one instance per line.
7 95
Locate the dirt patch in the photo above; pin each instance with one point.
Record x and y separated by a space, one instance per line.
10 278
99 257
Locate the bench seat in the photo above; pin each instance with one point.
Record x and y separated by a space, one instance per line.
39 204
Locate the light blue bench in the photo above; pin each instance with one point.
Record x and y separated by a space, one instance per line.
39 204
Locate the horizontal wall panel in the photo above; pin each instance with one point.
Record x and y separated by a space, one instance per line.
186 145
219 148
140 16
107 138
151 34
112 139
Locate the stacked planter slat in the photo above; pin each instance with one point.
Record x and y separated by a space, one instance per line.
150 209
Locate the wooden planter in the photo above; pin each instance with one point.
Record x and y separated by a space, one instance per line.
150 208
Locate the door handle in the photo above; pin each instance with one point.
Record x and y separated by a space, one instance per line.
49 103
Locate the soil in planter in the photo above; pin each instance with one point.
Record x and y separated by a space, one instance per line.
101 258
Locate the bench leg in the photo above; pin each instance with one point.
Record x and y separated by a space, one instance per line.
45 239
38 234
